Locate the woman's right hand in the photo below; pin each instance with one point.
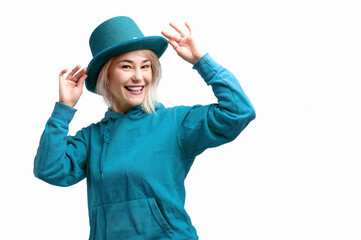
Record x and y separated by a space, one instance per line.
71 88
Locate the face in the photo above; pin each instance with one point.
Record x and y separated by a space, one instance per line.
129 78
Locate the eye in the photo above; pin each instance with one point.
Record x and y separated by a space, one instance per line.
146 66
125 66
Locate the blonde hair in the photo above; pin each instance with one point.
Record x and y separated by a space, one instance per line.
150 99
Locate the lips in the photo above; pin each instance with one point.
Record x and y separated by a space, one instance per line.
136 90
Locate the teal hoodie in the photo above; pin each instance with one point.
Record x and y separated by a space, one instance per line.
136 163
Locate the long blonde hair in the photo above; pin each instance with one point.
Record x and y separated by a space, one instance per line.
148 105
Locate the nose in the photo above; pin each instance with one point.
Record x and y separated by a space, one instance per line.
137 76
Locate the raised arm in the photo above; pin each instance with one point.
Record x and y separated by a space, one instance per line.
202 127
61 159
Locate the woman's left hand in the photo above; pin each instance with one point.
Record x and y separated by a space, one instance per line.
185 45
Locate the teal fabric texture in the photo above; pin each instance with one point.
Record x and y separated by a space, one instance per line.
136 163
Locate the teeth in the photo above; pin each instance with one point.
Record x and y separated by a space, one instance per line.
134 89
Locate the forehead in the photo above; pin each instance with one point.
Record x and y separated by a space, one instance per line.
137 55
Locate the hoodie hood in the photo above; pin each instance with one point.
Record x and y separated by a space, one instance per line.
134 112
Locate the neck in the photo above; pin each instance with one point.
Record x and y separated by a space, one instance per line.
121 108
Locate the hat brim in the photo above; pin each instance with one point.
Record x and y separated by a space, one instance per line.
157 44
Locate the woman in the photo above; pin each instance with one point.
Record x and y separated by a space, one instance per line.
137 157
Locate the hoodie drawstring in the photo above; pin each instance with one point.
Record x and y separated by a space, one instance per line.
106 139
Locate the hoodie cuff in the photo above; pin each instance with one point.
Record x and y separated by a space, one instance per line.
63 113
206 67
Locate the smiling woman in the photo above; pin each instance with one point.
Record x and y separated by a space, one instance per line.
137 157
139 71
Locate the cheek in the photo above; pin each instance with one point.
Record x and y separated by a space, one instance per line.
149 77
116 78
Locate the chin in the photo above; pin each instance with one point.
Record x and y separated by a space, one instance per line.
135 101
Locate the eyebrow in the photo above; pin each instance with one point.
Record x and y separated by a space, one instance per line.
130 61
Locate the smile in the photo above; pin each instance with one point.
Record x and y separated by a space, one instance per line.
135 90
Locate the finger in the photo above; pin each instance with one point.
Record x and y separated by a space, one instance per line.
177 29
170 37
71 74
61 74
189 27
81 81
79 75
174 44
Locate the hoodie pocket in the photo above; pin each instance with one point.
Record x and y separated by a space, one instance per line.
137 219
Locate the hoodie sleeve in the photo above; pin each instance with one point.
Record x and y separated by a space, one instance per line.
201 127
61 159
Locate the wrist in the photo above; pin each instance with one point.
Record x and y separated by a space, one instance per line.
197 56
69 103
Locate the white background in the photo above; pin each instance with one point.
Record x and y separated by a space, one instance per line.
294 173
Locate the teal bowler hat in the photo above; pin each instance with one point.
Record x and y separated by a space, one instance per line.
116 36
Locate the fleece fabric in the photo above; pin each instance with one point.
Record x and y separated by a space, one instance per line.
136 163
